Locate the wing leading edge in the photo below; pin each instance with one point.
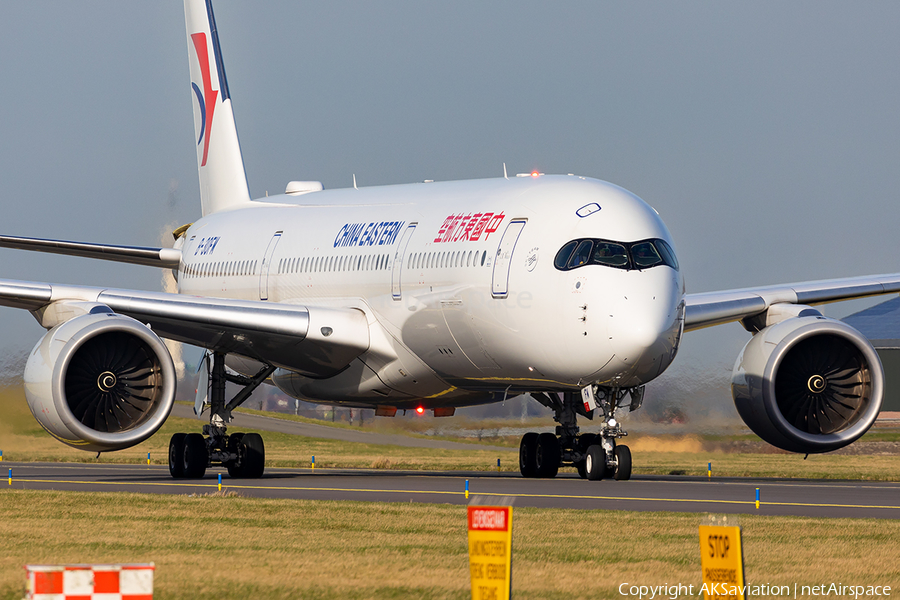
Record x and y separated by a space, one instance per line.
315 341
167 258
714 308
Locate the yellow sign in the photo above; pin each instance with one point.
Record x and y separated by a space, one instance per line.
722 562
490 552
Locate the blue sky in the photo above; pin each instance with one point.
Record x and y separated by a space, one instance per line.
766 134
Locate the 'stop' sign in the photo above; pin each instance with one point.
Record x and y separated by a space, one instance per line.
722 562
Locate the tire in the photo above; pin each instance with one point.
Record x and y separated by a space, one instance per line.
254 462
528 455
548 455
176 455
585 441
623 463
234 445
595 463
196 456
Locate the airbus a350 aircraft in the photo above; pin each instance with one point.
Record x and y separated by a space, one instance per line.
428 295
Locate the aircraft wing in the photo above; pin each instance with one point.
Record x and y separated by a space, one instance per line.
712 308
167 258
316 341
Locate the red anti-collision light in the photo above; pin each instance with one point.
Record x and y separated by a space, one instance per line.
420 410
535 173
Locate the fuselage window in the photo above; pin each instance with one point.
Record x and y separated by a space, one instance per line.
483 256
469 259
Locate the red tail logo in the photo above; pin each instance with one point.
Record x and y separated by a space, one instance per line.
206 98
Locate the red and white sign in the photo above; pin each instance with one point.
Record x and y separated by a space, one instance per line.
90 582
489 518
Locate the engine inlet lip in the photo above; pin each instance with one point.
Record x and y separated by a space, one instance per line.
103 324
838 439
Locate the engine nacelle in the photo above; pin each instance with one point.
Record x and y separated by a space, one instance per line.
808 384
100 382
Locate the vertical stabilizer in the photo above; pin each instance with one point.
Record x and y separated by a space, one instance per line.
223 182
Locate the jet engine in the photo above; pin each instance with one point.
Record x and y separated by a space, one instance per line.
100 381
808 384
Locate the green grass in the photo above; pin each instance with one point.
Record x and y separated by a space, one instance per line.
223 547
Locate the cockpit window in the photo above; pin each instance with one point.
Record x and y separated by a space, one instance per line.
667 253
644 254
562 257
582 254
610 254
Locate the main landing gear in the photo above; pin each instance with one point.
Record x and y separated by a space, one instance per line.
595 455
243 454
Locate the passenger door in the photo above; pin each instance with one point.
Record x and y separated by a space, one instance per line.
264 267
397 267
503 258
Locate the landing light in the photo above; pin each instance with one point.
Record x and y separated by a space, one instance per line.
420 410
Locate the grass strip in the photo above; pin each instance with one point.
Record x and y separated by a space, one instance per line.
226 546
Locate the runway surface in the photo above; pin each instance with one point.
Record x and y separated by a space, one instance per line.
816 498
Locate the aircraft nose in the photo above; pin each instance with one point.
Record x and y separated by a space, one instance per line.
645 329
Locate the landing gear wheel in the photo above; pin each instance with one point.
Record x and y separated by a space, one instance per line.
528 455
548 455
235 445
623 463
176 455
196 456
254 456
585 441
595 463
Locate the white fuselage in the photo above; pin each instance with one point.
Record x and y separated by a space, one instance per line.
458 283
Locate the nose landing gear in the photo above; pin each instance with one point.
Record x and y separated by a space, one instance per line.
594 455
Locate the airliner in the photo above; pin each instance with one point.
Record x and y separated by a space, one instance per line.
427 296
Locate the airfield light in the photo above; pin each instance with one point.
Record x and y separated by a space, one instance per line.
420 410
